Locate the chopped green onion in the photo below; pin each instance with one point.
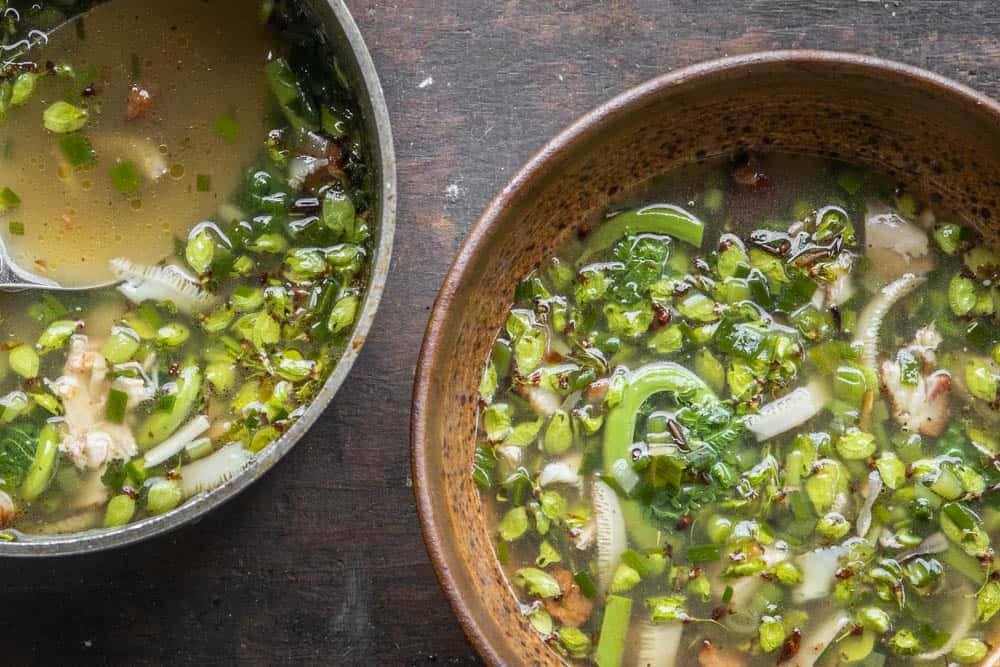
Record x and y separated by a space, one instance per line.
117 402
8 200
227 127
16 228
77 150
204 182
614 629
125 177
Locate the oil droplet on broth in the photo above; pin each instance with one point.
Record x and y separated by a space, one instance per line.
222 73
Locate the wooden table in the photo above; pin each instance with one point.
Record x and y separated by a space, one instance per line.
322 561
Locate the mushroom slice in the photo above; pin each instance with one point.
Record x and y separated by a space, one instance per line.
787 412
657 644
611 539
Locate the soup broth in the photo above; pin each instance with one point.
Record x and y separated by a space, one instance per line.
206 155
201 62
749 418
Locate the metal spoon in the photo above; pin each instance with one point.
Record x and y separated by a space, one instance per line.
14 278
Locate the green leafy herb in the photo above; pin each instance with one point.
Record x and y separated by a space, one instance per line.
62 117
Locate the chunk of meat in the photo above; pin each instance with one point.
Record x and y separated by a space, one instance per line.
83 390
139 101
922 407
895 245
712 655
543 401
572 607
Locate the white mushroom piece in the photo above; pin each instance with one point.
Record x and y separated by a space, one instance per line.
919 404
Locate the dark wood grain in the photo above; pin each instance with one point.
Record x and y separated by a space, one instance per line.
322 561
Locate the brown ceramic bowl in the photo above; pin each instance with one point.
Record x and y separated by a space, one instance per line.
932 132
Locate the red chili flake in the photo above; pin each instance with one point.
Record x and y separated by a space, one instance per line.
719 612
843 573
684 522
173 474
88 91
553 357
173 369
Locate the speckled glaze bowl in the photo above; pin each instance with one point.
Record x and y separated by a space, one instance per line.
930 131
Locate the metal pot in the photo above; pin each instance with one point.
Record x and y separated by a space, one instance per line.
336 24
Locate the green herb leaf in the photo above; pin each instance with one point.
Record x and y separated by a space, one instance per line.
62 117
24 85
